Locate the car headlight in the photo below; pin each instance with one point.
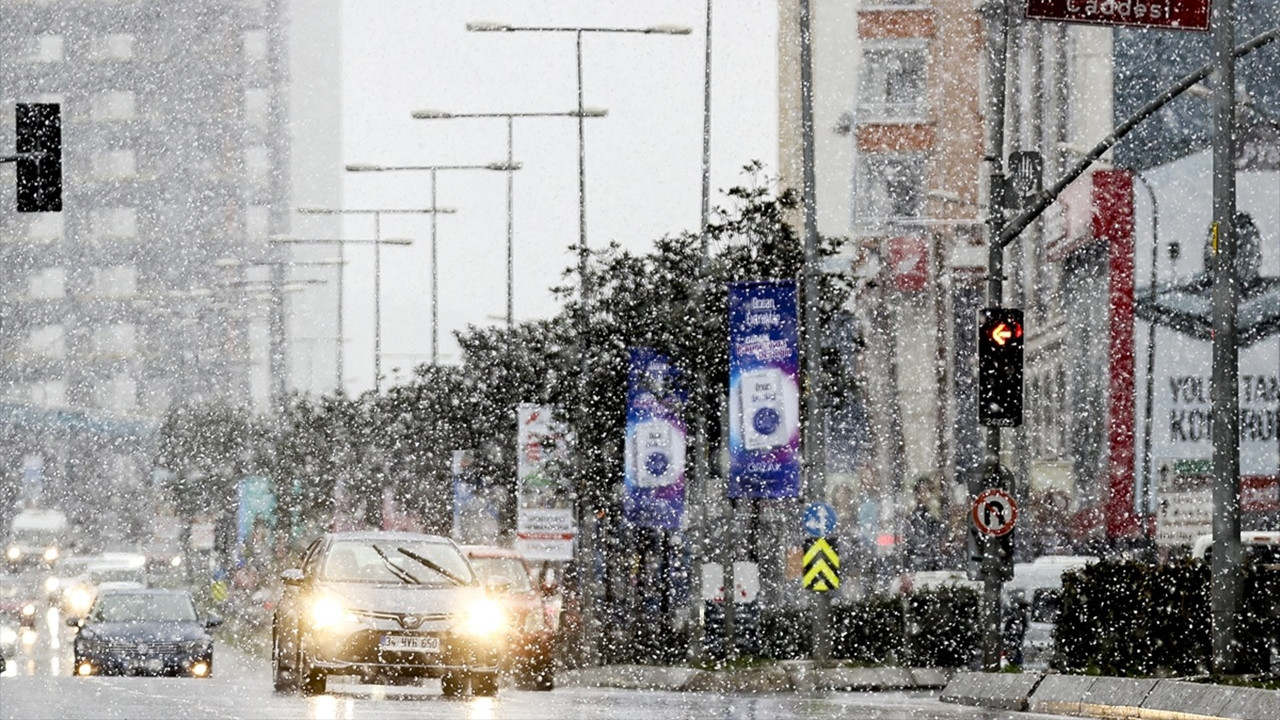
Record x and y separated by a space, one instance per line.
80 600
484 618
50 554
327 611
28 610
8 636
13 553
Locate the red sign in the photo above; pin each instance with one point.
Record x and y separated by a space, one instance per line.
994 512
909 261
1170 14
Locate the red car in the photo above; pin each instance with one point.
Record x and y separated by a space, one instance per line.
535 615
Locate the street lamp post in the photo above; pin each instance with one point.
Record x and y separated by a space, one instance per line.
508 167
377 243
276 325
510 117
589 591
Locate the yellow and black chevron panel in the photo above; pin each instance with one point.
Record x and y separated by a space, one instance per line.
821 565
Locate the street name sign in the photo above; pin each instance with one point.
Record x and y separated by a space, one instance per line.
1168 14
820 565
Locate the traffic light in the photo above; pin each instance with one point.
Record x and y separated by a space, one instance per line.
39 149
1000 367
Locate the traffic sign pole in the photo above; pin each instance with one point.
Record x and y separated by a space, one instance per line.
996 15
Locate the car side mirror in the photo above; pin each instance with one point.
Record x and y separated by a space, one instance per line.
292 576
212 622
74 622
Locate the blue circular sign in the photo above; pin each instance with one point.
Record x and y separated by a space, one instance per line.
657 464
819 519
766 420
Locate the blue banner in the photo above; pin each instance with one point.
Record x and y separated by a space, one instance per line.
653 481
764 395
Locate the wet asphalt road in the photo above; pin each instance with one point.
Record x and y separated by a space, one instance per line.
38 686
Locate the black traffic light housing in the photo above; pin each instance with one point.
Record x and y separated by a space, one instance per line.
1000 334
39 157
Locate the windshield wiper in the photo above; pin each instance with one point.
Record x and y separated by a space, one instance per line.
432 565
396 570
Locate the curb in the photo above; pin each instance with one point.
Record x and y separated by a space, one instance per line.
788 676
1112 697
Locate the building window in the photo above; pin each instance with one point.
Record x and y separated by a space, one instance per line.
120 281
48 284
115 47
46 227
889 187
47 341
257 107
113 105
119 393
115 341
116 222
44 49
50 393
256 223
894 81
255 45
115 164
257 164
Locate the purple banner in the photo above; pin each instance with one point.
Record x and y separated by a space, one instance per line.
764 396
653 481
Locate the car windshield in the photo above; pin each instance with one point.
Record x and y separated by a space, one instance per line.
156 607
118 575
412 562
509 568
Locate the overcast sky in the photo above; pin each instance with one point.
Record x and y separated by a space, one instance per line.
643 161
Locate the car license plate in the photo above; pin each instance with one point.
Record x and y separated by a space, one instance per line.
411 643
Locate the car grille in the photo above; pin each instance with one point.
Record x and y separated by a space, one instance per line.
421 619
137 648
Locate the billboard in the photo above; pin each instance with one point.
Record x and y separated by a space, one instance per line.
654 464
764 394
545 519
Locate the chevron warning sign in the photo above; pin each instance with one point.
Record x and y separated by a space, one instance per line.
820 565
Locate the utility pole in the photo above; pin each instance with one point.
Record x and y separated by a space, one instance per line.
1225 572
814 467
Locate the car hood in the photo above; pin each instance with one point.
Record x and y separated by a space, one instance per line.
145 631
403 598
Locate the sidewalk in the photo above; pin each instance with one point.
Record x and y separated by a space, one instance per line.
1051 693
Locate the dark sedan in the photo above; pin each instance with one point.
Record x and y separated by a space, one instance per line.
143 632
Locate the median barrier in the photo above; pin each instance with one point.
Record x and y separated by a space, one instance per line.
1060 694
1175 698
1001 691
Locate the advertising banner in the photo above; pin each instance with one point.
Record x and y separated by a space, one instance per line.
764 395
475 506
545 526
653 478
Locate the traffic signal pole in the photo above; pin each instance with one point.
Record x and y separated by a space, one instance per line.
997 18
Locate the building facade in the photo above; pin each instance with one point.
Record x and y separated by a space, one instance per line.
142 293
900 101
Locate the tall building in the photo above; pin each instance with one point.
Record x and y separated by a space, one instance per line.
143 292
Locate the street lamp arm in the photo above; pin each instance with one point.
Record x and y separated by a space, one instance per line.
446 115
1046 197
369 167
650 30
